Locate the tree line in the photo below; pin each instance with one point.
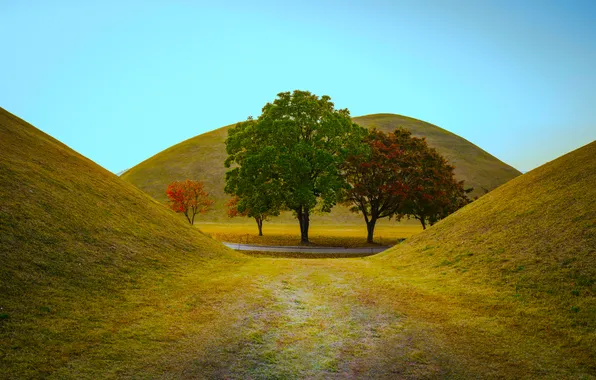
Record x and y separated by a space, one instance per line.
302 154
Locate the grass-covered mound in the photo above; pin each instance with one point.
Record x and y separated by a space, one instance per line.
202 157
89 262
479 169
516 270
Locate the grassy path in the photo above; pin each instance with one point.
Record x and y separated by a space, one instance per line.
275 318
309 319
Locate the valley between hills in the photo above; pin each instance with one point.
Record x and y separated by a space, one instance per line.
100 280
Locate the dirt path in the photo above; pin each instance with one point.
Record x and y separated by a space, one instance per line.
312 321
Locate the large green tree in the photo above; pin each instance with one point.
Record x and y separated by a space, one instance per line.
254 193
294 149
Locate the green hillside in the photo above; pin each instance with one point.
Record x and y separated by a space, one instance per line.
84 256
523 257
202 157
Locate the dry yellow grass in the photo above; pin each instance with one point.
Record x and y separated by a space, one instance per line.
85 257
517 268
324 235
99 281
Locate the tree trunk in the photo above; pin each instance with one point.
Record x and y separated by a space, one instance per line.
303 219
260 225
370 229
423 223
188 217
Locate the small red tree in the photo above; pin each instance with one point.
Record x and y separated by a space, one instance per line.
189 197
232 206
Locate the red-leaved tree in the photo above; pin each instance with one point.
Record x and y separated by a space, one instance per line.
381 178
189 197
437 192
399 175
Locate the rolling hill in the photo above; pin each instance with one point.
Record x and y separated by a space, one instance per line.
522 256
84 255
99 280
202 157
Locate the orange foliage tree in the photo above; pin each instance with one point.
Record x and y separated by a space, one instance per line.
189 197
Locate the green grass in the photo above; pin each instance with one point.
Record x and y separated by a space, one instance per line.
202 157
100 281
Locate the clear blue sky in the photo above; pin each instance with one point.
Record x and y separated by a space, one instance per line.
119 81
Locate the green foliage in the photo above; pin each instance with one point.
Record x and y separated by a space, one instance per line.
254 195
291 154
202 157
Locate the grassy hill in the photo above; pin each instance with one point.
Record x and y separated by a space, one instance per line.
522 258
202 157
84 257
98 280
473 165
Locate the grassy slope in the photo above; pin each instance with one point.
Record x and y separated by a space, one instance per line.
85 256
518 266
202 157
478 168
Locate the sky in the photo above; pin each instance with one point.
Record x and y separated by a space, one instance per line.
120 81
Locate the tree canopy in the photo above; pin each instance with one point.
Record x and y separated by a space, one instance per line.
399 175
189 197
437 193
292 153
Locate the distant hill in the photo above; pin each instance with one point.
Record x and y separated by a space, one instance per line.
531 244
477 168
74 238
202 157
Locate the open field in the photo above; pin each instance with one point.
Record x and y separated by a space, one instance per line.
98 280
327 235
